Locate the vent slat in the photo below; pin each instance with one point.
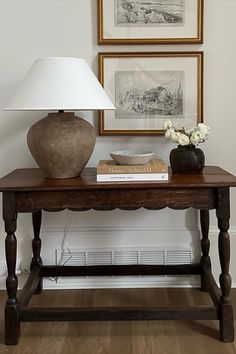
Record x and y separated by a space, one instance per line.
124 256
99 258
152 257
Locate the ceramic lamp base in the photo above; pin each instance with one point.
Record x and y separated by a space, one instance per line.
61 144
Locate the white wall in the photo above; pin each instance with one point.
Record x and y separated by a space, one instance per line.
39 28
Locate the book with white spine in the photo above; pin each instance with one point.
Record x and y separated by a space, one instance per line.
126 177
155 170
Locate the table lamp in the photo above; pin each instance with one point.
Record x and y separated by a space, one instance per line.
60 143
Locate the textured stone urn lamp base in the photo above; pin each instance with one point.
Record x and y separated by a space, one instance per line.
61 144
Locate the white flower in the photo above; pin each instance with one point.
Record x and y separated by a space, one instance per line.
175 137
203 131
203 128
202 135
169 132
183 140
167 124
195 137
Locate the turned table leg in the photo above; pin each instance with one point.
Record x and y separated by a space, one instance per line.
205 245
226 308
36 246
12 319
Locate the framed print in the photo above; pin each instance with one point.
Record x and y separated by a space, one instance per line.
150 21
148 88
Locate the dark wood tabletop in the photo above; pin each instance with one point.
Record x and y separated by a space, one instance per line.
28 191
34 180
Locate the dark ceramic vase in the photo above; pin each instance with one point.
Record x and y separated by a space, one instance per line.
187 160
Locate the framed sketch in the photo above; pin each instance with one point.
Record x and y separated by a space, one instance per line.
150 21
148 88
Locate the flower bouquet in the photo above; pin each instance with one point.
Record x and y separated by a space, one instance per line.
189 136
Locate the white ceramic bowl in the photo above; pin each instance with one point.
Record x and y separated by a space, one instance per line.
132 157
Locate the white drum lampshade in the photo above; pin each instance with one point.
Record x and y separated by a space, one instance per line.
60 143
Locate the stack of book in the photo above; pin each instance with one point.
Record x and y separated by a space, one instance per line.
155 170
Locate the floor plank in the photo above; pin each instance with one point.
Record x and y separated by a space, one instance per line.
131 337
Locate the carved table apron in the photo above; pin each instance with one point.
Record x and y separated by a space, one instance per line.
27 191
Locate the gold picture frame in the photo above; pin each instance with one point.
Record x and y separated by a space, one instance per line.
149 87
148 24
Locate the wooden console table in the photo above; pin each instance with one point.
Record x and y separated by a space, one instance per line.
27 191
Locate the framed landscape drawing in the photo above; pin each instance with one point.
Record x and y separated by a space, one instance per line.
150 21
148 88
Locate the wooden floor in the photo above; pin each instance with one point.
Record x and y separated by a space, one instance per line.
145 337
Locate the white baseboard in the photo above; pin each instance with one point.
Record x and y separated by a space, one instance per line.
149 282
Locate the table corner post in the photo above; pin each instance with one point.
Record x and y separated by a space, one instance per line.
36 246
12 313
225 309
205 247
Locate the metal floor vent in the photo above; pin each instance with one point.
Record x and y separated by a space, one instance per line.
117 256
111 256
